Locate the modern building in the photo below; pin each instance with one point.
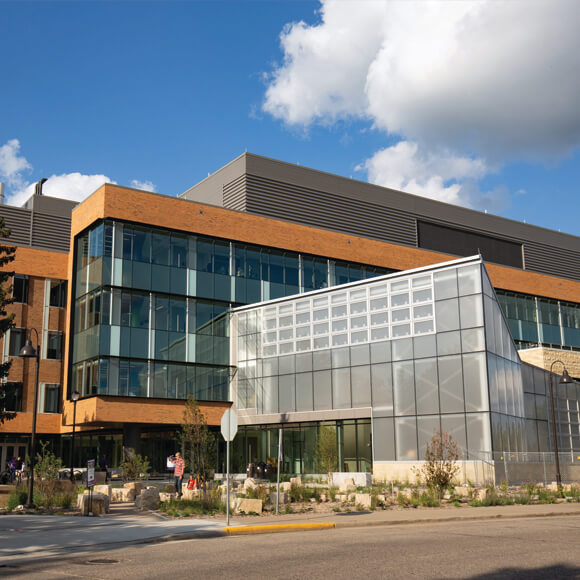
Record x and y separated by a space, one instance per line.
295 296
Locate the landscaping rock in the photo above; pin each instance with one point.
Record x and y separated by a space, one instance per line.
480 494
361 479
122 495
296 481
283 498
250 483
191 494
347 485
285 486
99 504
164 496
363 499
104 489
138 486
249 505
148 499
462 491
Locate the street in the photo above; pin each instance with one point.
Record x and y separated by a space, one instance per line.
512 548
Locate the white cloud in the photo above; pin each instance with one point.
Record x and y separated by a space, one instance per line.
143 185
12 164
73 186
439 175
479 80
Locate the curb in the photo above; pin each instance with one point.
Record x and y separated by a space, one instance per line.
276 528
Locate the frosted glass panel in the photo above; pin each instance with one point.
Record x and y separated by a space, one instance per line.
404 388
427 391
447 315
341 388
445 283
451 384
475 382
406 438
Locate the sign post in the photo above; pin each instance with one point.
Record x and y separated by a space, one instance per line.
229 430
90 483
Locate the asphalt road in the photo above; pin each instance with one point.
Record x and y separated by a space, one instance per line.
532 548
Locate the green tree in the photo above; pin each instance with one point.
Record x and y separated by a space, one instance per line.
326 451
6 256
196 440
440 467
135 467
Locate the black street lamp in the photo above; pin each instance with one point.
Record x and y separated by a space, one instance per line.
74 398
28 351
565 379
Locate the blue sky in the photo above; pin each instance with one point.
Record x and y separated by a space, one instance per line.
408 95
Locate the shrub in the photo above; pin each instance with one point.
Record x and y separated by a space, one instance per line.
440 467
428 500
16 498
135 467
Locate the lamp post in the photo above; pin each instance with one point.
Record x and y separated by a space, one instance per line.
74 398
565 379
28 351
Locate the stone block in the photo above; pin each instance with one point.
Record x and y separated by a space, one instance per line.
104 489
480 494
99 504
249 505
148 499
283 498
347 485
250 483
363 499
296 481
463 490
138 486
122 495
164 496
360 478
285 486
191 494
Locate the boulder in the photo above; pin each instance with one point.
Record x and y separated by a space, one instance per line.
285 486
122 495
363 499
462 491
250 483
191 494
148 499
480 494
249 505
104 489
164 496
99 504
347 485
283 498
296 482
138 486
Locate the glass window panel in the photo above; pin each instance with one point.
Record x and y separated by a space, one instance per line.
424 346
471 311
302 331
340 357
359 355
478 433
420 296
404 388
402 349
475 382
341 395
361 386
382 387
447 315
287 393
445 283
419 281
321 314
358 307
400 315
322 390
401 330
302 317
320 301
286 334
469 279
384 440
321 342
381 352
399 285
358 294
426 385
456 427
424 311
303 362
399 300
426 428
378 290
448 343
340 325
451 384
304 392
424 327
472 339
320 328
379 333
379 304
358 322
379 319
406 438
339 311
160 249
286 321
270 395
359 336
287 365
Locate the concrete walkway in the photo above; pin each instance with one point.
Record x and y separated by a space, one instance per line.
26 537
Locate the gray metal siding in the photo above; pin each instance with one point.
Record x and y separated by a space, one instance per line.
18 220
311 207
553 261
51 232
234 196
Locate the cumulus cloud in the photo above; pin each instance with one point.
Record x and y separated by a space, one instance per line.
73 186
12 164
488 81
143 185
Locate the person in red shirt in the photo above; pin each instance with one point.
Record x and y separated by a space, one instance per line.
179 464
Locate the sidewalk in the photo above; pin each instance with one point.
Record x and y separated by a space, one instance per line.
26 537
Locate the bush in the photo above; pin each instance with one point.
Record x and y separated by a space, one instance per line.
492 500
135 467
428 500
440 467
16 498
208 505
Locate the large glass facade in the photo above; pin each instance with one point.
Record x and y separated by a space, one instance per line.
415 352
535 321
150 317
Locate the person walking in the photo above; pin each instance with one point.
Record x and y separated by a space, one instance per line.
12 469
179 464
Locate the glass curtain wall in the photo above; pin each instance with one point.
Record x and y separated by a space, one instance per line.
150 307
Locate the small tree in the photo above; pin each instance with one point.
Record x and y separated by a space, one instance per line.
47 467
6 256
326 451
440 467
197 442
135 467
